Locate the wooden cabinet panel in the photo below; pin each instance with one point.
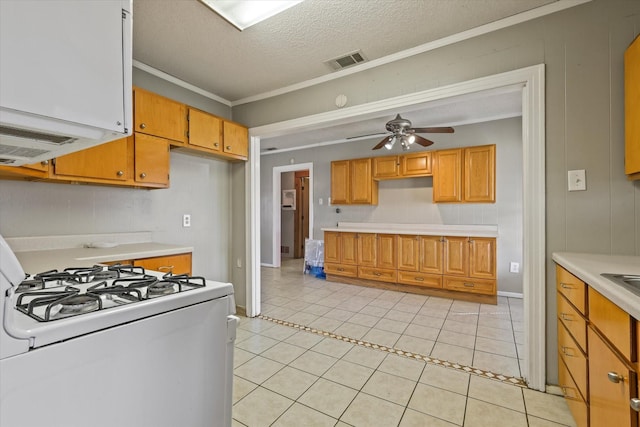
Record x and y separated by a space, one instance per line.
482 258
331 247
465 284
386 167
151 160
159 116
573 321
480 174
447 176
340 182
632 110
236 139
572 288
105 161
416 164
431 254
362 184
611 321
349 248
176 264
456 256
205 130
610 386
379 274
341 269
42 166
574 358
420 279
386 251
367 245
408 252
574 400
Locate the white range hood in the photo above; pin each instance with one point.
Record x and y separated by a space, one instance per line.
65 77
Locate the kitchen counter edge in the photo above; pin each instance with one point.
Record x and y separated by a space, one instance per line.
588 267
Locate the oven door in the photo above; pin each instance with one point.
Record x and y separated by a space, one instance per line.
168 370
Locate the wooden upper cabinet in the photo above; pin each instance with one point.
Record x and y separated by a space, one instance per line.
456 256
386 167
109 161
408 252
632 110
447 176
205 130
340 182
362 185
416 164
42 166
151 160
236 139
159 116
482 258
480 174
431 254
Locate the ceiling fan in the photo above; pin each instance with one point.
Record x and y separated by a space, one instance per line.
401 131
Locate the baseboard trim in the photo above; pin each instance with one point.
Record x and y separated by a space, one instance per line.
511 294
554 389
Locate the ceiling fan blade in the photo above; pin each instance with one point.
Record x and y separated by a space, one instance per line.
433 130
422 141
381 143
367 135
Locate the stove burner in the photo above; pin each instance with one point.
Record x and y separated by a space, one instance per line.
30 285
78 304
161 288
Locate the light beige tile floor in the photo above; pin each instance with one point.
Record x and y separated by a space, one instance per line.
286 376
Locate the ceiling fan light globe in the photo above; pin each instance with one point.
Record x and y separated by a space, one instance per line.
411 139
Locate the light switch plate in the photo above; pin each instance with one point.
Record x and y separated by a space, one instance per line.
577 180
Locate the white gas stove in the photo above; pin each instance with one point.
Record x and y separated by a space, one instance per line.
108 333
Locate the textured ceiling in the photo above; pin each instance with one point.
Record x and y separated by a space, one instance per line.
185 39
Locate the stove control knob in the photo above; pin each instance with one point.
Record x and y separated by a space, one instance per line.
143 175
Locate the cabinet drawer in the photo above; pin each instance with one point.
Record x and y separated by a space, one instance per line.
476 286
573 321
175 264
574 400
380 274
612 321
572 288
341 270
420 279
573 357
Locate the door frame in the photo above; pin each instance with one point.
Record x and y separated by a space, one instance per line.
276 236
531 80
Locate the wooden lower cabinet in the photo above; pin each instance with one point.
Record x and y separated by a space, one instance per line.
175 264
415 263
574 399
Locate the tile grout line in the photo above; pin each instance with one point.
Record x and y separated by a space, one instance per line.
517 381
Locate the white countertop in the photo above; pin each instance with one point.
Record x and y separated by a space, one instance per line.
418 229
588 267
37 261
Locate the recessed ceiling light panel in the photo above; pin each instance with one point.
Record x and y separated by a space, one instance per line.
244 13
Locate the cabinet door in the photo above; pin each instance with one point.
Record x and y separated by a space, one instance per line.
610 384
482 258
456 256
349 248
367 248
105 161
386 167
205 130
159 116
386 251
42 166
447 176
480 174
176 264
431 254
151 160
632 110
236 139
362 184
408 253
416 164
340 182
331 247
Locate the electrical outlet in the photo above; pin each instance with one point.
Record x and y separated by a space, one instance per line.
186 220
514 267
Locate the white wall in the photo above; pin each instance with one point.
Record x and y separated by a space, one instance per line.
410 200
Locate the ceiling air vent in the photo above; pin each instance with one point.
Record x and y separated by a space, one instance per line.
346 60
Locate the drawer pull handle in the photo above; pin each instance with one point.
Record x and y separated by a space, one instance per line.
216 144
143 175
566 316
375 273
419 279
166 268
565 286
44 162
615 377
119 173
340 269
469 285
228 147
566 351
142 126
635 404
